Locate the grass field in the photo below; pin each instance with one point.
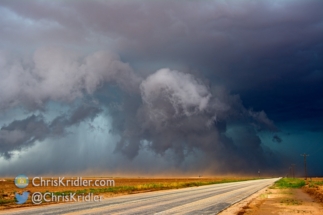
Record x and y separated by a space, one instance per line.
289 183
313 186
122 186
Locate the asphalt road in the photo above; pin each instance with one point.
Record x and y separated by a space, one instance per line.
209 199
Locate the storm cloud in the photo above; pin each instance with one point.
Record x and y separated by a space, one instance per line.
59 75
214 83
21 134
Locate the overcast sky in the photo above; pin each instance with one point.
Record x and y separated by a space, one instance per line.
160 87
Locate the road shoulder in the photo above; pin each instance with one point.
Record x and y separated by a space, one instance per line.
277 201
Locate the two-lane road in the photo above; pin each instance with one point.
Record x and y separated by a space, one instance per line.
210 199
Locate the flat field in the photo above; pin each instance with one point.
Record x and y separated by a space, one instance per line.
122 186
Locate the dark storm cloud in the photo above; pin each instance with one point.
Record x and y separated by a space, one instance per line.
236 67
21 134
180 113
58 125
276 44
144 26
277 139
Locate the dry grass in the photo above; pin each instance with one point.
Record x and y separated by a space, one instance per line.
314 187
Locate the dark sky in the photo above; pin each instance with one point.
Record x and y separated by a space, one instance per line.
161 87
